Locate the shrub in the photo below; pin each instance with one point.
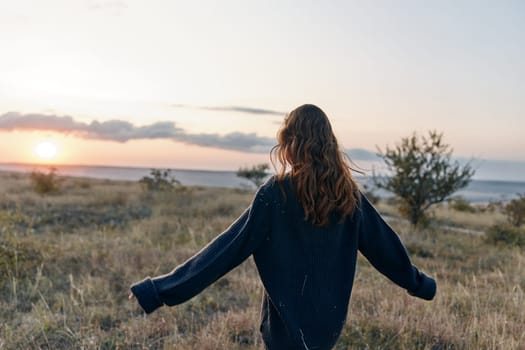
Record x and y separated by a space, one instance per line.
494 206
515 211
505 234
159 179
83 183
422 174
45 183
461 204
255 174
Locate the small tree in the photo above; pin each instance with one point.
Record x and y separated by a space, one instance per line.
515 210
255 174
159 179
422 174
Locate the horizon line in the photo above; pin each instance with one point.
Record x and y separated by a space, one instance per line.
182 169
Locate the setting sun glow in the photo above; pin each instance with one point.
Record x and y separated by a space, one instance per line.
46 150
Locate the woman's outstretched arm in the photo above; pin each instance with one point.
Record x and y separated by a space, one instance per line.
221 255
382 247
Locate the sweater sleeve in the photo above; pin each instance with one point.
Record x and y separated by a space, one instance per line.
384 250
221 255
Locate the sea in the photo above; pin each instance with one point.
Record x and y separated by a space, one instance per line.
478 191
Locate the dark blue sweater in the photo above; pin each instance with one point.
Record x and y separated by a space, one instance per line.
307 271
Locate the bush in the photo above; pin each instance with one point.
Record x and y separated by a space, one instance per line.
422 174
159 180
461 204
83 184
494 206
255 174
45 183
515 211
506 234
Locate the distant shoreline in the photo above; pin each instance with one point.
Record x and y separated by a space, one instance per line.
478 191
29 167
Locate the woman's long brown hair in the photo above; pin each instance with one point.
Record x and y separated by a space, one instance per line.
322 179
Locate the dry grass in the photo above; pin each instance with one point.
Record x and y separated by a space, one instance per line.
480 220
64 281
442 214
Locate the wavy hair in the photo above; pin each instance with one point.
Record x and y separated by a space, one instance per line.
321 178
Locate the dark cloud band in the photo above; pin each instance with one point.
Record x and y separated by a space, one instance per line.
238 109
122 131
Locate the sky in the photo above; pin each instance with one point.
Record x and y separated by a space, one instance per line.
206 84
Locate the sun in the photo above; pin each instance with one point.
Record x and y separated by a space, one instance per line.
46 149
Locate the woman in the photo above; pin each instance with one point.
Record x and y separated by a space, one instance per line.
303 228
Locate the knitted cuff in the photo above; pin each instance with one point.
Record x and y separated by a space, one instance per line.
426 289
147 295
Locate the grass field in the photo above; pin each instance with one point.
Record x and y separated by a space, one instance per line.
67 260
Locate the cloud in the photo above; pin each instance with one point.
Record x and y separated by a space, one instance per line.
237 109
16 121
235 140
122 131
